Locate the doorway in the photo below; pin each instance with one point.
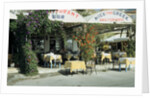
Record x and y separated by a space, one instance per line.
52 45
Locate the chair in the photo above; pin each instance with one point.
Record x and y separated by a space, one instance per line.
106 56
91 65
117 56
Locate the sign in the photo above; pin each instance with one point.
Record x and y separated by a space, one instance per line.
109 17
66 16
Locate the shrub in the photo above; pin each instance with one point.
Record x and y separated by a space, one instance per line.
29 67
131 48
87 42
36 23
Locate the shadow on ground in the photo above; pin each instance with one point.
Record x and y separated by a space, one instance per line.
116 69
66 72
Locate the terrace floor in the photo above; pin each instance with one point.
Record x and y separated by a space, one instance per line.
59 77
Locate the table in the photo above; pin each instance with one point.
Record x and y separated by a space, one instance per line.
119 54
126 60
49 57
75 65
106 55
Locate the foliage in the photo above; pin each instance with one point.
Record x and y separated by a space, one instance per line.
22 45
39 24
29 67
13 26
87 42
130 49
36 23
21 30
86 12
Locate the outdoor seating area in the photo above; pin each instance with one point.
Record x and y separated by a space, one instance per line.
72 47
127 61
70 40
50 57
106 55
120 58
75 65
51 60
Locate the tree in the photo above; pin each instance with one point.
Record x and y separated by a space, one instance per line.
130 49
25 58
87 42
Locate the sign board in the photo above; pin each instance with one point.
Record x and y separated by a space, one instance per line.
66 16
109 17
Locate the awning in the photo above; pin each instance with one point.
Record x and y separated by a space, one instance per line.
110 17
121 39
68 16
116 38
12 15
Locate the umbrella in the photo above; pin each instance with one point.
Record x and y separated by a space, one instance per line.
68 16
116 38
110 17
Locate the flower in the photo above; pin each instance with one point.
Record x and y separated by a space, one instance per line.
28 32
88 41
32 18
30 13
93 37
79 41
73 36
30 42
28 24
47 12
96 33
28 60
37 21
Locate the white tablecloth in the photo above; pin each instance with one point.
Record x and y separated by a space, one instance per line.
130 59
52 56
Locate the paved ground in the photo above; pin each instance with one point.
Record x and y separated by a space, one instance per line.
59 77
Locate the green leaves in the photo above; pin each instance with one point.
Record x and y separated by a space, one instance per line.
131 48
13 26
37 23
30 60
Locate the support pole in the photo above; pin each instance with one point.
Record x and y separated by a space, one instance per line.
120 67
51 64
